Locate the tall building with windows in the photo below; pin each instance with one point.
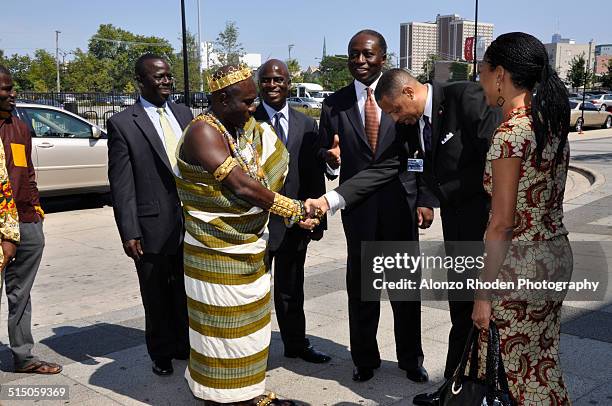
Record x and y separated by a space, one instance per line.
417 42
445 38
560 56
460 30
445 41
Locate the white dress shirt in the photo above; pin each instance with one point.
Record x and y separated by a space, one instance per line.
284 121
151 111
361 91
427 112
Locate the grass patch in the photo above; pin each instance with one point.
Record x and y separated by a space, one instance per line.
314 113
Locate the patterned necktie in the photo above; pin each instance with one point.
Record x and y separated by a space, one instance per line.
169 136
371 120
427 135
280 132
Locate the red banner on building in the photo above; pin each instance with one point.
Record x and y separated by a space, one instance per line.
468 53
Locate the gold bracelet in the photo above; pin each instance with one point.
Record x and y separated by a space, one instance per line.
225 168
286 207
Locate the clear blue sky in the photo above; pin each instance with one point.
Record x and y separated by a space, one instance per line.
268 27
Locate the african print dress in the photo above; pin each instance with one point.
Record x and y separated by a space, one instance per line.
226 281
530 330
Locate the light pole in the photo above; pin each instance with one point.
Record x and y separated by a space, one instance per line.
200 51
290 48
57 64
586 73
475 73
185 56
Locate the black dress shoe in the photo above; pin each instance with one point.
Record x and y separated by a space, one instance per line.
361 374
309 354
418 374
427 399
162 367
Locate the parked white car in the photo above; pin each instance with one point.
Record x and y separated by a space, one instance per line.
69 153
305 102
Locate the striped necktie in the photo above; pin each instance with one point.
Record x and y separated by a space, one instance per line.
278 128
169 136
371 120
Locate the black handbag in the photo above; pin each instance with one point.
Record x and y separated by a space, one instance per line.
468 390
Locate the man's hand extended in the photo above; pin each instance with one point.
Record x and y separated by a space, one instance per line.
333 154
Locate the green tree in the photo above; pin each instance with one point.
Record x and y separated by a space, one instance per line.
86 73
195 77
120 49
334 72
19 65
295 71
459 71
429 68
227 46
391 61
606 78
42 74
576 74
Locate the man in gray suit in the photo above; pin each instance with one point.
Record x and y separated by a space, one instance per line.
141 164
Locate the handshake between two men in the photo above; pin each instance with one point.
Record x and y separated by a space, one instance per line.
315 209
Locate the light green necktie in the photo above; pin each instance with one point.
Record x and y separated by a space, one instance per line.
169 136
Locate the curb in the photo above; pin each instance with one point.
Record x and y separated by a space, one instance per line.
595 178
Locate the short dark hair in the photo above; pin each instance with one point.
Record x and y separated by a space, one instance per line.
391 82
139 66
381 40
4 70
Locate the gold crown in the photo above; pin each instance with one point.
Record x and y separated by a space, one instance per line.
235 74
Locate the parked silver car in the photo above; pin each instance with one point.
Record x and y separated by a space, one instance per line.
69 153
305 102
602 101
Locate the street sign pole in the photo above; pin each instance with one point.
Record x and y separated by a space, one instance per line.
475 73
185 57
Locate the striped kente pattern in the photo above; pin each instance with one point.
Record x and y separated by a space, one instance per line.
224 252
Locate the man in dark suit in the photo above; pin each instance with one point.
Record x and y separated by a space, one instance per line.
305 179
453 126
141 164
364 132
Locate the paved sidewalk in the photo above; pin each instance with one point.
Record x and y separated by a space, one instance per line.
88 315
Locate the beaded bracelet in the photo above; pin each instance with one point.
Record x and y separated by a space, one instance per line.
292 210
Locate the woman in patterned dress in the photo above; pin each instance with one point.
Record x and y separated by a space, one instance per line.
525 175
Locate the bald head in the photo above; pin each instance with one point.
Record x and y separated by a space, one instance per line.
401 96
274 83
275 65
392 82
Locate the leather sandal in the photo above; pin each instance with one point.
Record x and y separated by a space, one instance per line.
271 400
40 367
264 400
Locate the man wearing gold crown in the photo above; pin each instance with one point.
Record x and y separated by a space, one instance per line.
230 170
